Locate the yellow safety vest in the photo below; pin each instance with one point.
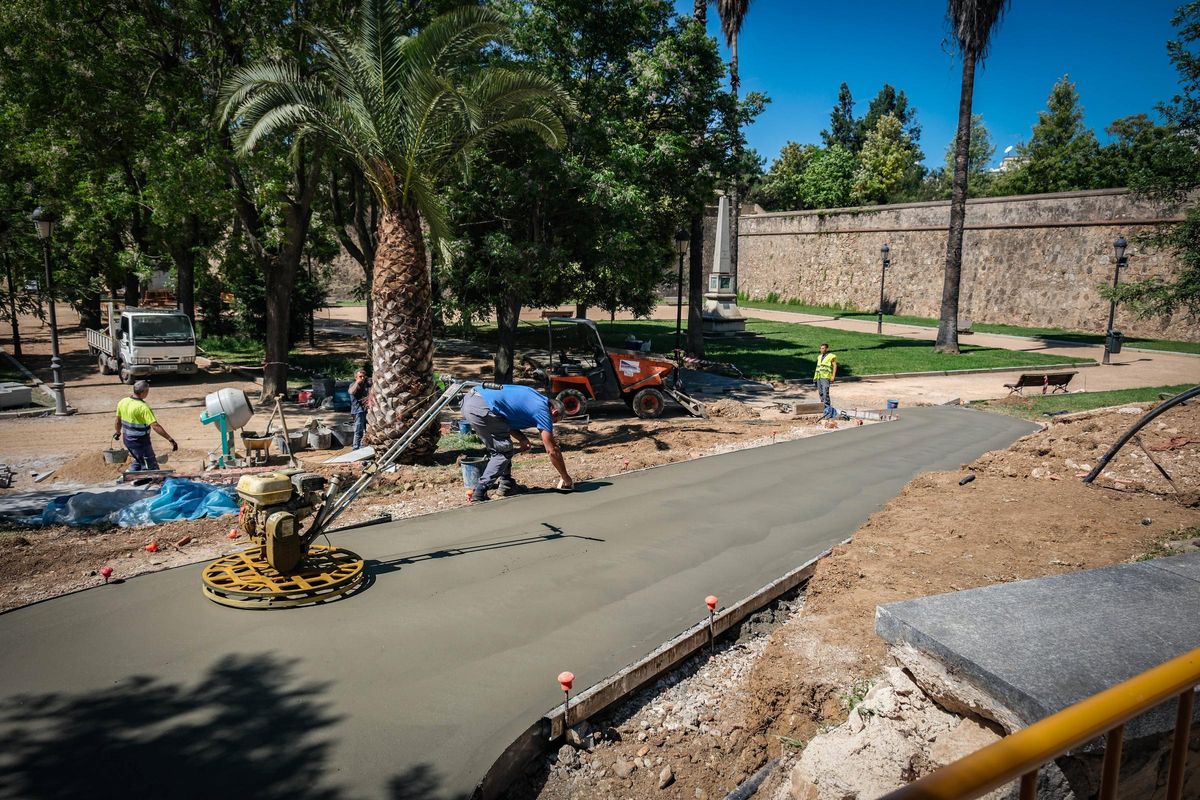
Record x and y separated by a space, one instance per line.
825 366
136 417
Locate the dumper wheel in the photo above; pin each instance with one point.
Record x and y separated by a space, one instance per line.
649 404
574 402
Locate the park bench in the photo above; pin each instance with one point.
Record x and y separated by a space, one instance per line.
1054 381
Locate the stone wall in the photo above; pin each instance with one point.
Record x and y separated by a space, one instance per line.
1033 260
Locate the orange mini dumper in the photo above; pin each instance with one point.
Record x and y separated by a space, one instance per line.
642 381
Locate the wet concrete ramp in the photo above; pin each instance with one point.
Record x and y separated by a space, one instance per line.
412 688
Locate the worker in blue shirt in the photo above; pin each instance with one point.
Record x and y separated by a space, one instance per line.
498 416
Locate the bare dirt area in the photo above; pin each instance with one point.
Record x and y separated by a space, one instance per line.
712 724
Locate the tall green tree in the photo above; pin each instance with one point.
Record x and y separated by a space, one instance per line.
972 23
828 180
1164 165
885 162
980 153
844 130
781 189
1063 153
407 108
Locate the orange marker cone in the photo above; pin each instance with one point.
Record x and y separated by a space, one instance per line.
711 602
566 680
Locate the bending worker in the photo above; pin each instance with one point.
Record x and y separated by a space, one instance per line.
134 422
497 417
826 374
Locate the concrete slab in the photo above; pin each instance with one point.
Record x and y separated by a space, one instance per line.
1040 645
413 687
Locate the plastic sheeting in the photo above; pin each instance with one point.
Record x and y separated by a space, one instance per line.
178 499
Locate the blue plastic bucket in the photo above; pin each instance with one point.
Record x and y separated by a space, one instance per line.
462 426
893 404
472 469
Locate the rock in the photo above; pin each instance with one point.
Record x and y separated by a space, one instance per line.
802 786
700 794
965 738
623 768
642 736
1129 410
642 752
1147 521
567 756
666 777
579 736
612 734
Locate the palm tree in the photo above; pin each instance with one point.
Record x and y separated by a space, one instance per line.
973 23
406 108
733 14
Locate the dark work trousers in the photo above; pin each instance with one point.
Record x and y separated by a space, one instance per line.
143 454
493 429
823 391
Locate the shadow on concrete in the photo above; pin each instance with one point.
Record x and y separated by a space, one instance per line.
376 567
245 729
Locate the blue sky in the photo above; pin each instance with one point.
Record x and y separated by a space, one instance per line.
799 52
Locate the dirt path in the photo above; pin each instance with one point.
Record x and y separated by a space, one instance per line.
1025 515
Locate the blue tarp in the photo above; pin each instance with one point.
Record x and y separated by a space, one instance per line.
178 499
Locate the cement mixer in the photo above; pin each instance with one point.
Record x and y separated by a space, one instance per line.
228 409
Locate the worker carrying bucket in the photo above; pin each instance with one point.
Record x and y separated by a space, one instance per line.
133 424
498 416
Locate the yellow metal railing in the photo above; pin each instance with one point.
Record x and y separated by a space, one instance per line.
1022 754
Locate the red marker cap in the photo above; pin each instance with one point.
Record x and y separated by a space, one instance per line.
106 571
566 680
711 602
152 547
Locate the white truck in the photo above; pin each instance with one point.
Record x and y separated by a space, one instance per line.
141 342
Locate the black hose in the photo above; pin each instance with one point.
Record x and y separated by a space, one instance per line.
1182 397
748 787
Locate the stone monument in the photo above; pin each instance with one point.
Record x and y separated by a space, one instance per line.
721 314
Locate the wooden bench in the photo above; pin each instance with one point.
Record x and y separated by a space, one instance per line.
1054 381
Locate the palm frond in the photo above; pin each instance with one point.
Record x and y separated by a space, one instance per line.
974 22
732 14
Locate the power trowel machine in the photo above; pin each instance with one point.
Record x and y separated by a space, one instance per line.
287 568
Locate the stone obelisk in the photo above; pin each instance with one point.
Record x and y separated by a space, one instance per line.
721 315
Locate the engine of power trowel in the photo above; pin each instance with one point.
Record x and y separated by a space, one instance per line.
273 505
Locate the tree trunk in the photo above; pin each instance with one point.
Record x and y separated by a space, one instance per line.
280 282
700 11
947 337
581 310
133 288
185 269
734 189
508 316
695 329
402 334
90 315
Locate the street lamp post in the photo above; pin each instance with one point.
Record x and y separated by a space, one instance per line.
682 238
1122 260
44 219
886 262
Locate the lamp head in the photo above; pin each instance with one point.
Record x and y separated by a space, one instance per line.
682 238
1119 247
44 219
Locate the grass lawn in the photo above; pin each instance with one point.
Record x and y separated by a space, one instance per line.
10 374
788 351
1043 405
250 352
981 327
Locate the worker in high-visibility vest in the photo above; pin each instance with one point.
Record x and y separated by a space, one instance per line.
134 422
826 373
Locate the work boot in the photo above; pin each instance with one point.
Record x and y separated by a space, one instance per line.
479 495
508 488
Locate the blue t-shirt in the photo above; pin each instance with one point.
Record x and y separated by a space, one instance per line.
521 406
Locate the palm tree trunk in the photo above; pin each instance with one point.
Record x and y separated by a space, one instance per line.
947 338
734 205
280 283
402 334
695 329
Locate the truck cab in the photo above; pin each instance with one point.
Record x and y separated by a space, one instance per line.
141 342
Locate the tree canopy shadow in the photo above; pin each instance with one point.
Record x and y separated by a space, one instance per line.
247 728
